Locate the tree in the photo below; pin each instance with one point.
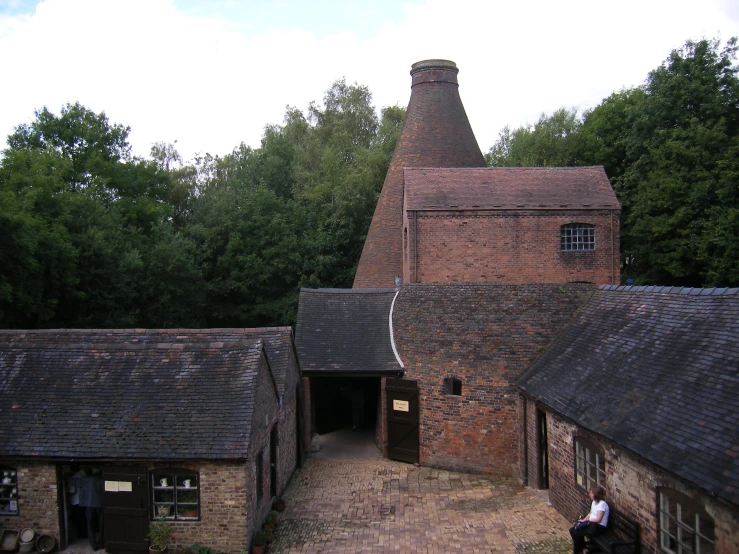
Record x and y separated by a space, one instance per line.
552 141
681 182
81 221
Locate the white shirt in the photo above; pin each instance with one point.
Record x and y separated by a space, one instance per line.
596 507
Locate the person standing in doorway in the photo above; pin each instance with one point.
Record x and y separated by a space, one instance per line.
91 498
77 512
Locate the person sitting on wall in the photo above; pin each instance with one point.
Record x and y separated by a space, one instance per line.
595 523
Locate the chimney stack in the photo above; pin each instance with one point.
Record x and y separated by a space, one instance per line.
435 133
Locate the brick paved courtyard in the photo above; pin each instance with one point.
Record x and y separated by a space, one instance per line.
377 505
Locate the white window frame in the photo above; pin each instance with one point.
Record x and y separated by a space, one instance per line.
590 465
675 532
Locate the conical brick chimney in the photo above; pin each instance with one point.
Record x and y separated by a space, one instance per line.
435 133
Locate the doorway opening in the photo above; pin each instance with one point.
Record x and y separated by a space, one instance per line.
345 412
543 449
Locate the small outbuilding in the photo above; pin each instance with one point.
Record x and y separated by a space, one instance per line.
197 426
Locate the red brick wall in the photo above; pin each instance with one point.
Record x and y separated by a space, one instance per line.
508 247
486 335
435 133
631 486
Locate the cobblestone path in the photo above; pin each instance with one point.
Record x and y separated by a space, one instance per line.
352 506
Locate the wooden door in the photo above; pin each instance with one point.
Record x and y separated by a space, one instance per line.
402 420
126 509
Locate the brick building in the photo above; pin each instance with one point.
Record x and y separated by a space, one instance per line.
510 225
197 425
639 395
513 350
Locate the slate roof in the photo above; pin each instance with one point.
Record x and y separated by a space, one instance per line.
656 370
345 331
140 394
505 188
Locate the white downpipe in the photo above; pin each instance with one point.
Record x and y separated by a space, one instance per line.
392 336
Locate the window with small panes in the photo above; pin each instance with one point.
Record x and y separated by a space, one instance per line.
175 494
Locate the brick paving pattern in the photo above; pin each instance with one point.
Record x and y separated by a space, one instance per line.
354 506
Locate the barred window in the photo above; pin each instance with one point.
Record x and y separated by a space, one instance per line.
577 237
684 526
590 466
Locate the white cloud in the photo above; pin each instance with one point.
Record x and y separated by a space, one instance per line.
211 83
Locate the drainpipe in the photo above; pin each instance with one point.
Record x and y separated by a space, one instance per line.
392 335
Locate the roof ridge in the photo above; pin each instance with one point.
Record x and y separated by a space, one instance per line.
692 291
348 291
138 331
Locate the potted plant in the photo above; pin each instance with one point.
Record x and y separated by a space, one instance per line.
159 534
272 520
258 542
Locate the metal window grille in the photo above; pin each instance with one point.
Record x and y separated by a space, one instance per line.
577 237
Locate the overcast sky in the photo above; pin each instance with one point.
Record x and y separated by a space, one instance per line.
212 74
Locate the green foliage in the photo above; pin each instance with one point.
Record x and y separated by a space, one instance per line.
96 238
552 141
89 237
681 182
202 549
160 533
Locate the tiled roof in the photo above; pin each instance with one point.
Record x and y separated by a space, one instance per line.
506 188
345 330
141 394
656 370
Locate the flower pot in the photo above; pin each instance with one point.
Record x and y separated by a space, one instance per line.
257 549
153 550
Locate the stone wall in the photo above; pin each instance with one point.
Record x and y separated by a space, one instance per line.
485 335
508 247
631 485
